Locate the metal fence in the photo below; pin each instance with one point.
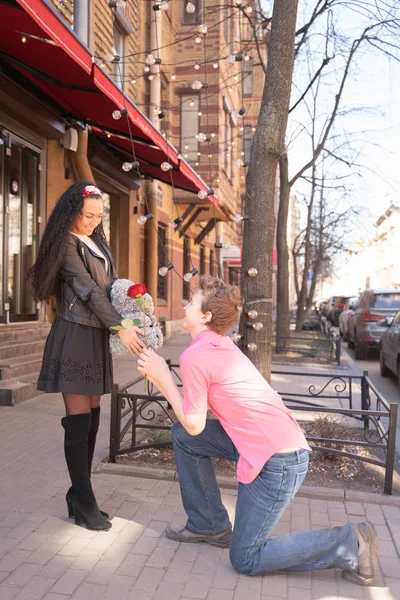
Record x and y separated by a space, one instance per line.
132 412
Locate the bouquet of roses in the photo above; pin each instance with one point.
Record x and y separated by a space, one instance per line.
136 307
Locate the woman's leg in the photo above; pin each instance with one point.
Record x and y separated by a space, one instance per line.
76 404
94 428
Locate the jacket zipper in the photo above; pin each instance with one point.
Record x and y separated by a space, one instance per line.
74 299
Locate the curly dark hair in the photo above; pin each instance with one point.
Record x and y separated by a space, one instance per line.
44 273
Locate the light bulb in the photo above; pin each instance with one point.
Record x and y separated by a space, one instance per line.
232 59
252 272
253 129
166 166
203 28
230 89
173 224
186 147
151 77
215 65
248 10
247 58
238 218
127 166
163 271
188 276
147 69
236 337
252 347
150 60
162 6
202 194
24 39
197 85
236 77
191 103
173 76
117 114
190 8
258 326
201 137
239 163
238 2
197 66
241 112
117 4
198 40
199 114
252 314
133 81
224 245
142 220
109 57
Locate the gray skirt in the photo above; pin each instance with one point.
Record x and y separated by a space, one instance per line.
76 360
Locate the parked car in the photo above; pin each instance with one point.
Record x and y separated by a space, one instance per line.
363 330
327 307
336 309
348 309
389 347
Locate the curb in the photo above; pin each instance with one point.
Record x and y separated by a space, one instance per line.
306 491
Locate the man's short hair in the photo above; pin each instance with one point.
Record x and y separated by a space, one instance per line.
222 300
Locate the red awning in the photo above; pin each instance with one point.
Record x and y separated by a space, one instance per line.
37 43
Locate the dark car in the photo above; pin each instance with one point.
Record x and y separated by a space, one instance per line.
364 329
389 347
328 306
344 316
336 309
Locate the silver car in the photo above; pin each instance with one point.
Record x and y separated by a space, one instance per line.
363 330
389 347
344 316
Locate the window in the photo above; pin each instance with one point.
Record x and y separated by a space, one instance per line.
191 18
247 141
186 267
248 77
189 126
211 263
202 260
162 262
118 67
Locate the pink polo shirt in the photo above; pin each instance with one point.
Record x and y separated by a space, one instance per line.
217 375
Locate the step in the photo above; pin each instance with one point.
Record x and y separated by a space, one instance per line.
11 368
15 349
15 391
14 332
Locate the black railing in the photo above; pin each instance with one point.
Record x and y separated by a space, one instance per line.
132 411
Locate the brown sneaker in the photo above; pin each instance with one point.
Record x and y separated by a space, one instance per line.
222 540
367 556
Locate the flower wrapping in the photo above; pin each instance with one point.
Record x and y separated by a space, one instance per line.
136 307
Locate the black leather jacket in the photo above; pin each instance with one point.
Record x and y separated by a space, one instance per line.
84 286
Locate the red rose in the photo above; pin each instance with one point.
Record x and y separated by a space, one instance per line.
135 290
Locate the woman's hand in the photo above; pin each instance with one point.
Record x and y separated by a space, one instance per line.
152 365
129 338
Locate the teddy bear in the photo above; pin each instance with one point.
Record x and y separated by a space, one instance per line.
136 307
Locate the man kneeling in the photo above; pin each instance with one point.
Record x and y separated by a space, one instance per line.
255 429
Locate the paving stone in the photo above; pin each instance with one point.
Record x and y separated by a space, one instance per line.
295 593
178 572
36 588
390 567
275 585
301 580
33 541
354 508
169 591
69 581
13 559
148 579
132 564
119 587
145 545
89 591
8 593
51 596
219 595
22 575
197 586
161 557
225 577
248 588
74 547
44 553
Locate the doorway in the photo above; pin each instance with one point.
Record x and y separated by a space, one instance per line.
19 210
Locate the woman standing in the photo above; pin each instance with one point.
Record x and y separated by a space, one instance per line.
75 264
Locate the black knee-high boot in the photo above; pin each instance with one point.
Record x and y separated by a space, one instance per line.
92 435
83 502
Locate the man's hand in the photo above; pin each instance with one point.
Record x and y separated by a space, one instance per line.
129 338
152 365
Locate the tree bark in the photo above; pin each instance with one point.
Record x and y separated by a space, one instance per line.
282 290
268 146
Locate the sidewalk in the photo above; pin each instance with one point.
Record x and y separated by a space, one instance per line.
44 556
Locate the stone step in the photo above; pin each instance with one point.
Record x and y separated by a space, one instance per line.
15 349
11 368
23 332
15 391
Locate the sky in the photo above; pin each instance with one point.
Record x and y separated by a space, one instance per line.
375 87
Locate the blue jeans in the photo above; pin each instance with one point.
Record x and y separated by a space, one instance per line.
260 505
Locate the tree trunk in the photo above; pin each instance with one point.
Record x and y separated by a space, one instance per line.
301 307
282 294
268 146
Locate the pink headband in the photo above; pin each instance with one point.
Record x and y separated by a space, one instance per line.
91 190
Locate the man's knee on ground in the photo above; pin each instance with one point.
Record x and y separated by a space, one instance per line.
241 564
